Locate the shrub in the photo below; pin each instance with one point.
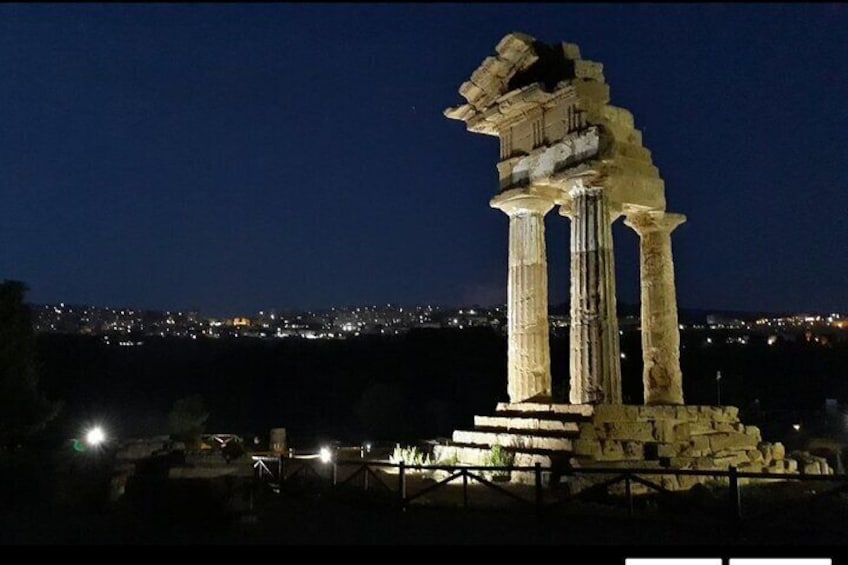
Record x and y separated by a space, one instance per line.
187 419
499 457
409 455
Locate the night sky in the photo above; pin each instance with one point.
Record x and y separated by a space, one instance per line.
231 158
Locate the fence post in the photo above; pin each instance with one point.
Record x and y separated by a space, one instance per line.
735 497
464 488
402 484
280 469
365 477
335 473
537 471
629 492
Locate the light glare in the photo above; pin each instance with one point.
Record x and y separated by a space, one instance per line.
95 436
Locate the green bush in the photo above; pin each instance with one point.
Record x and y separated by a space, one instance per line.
409 455
499 457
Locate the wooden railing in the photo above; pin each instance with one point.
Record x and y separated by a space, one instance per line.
277 470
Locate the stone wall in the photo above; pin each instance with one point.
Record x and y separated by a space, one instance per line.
682 437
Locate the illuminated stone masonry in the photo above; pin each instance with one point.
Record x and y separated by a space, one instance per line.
563 144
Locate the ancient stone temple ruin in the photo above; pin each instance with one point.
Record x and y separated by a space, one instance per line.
562 144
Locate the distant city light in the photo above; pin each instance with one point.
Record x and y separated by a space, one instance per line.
623 355
95 436
325 455
796 427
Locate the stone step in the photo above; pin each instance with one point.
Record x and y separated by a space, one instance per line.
466 454
518 441
546 410
541 426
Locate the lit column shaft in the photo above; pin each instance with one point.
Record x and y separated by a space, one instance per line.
528 347
595 364
661 373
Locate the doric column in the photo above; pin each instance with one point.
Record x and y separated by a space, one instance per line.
528 352
660 333
595 363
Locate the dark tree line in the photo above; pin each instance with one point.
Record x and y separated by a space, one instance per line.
23 409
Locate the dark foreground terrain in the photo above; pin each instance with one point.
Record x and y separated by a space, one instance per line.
64 500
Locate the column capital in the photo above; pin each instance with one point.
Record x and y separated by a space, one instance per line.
566 209
514 202
655 221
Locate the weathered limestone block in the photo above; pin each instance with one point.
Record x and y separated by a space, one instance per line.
719 441
755 456
775 468
575 410
670 482
779 451
661 450
521 441
589 70
683 462
700 443
767 451
615 413
699 428
633 450
687 450
751 466
587 447
525 424
729 459
656 413
664 430
642 431
522 459
754 432
811 468
610 450
710 413
708 462
587 431
683 431
789 465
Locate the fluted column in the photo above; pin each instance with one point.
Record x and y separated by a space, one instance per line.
661 374
528 351
595 363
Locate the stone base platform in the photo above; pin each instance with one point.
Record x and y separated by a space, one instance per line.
563 436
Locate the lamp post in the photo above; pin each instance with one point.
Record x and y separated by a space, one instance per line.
718 388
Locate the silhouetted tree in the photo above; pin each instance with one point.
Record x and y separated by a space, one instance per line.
23 410
187 419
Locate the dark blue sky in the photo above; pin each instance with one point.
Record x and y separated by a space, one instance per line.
231 158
